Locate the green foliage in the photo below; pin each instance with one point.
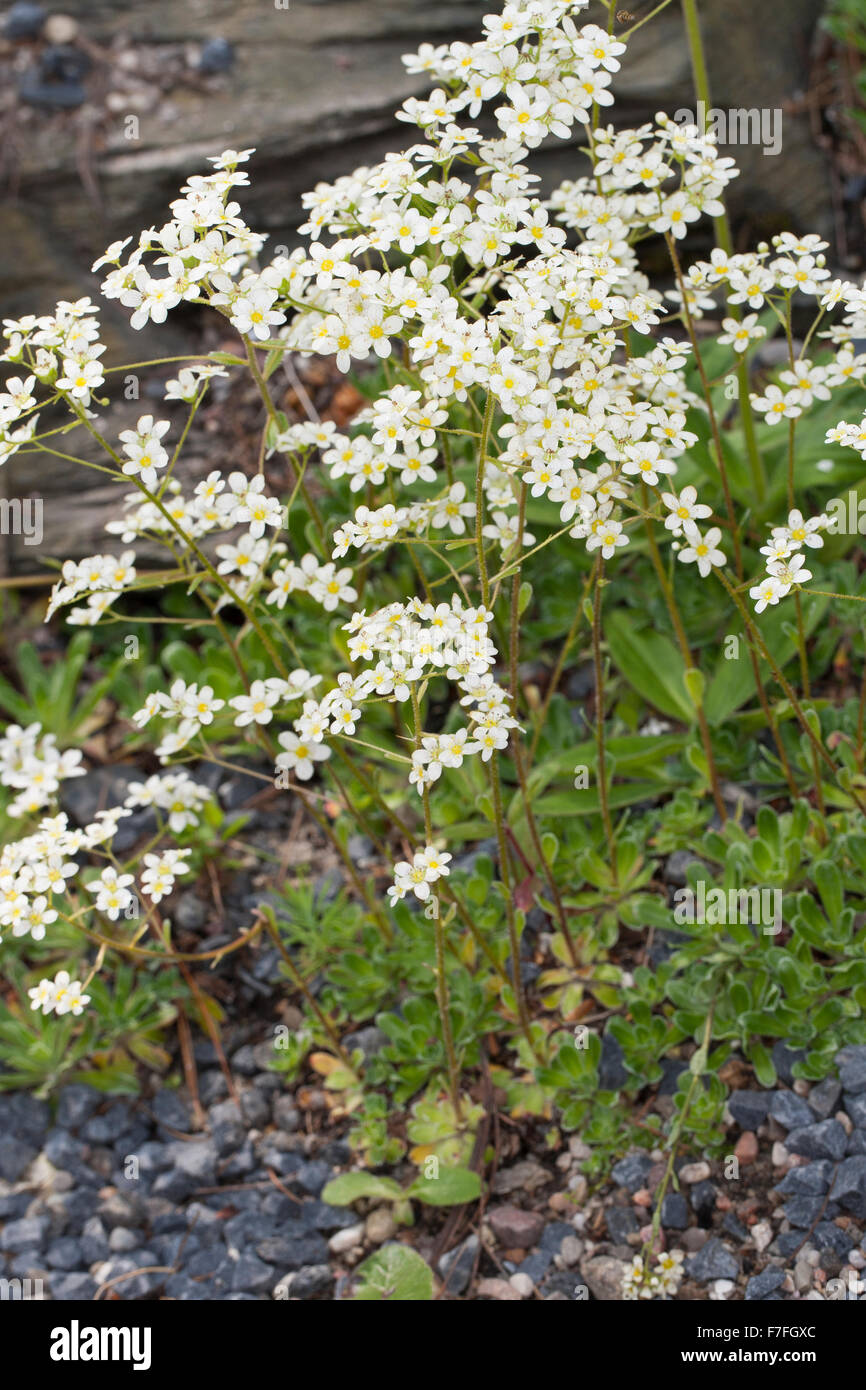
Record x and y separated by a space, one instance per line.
394 1274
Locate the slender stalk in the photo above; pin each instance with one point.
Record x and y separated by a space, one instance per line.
685 650
486 428
599 720
505 874
297 977
517 746
443 999
272 417
560 666
677 1129
784 683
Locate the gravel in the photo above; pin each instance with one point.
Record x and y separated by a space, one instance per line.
791 1110
765 1284
826 1139
749 1108
714 1261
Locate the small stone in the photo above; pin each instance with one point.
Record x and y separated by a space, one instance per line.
122 1240
456 1265
571 1251
826 1139
712 1262
286 1117
347 1239
514 1226
621 1223
65 1254
380 1225
703 1199
255 1109
804 1211
810 1179
824 1098
632 1170
604 1275
732 1226
851 1062
524 1176
500 1290
803 1276
611 1067
15 1158
675 1212
20 1235
828 1236
307 1282
73 1288
227 1129
749 1108
694 1172
293 1252
370 1041
60 28
746 1148
522 1285
217 55
561 1202
251 1275
694 1239
762 1235
23 21
779 1156
764 1284
675 869
76 1104
790 1110
849 1185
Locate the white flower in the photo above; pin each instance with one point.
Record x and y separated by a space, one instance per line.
684 508
768 592
701 550
255 708
742 335
300 755
775 405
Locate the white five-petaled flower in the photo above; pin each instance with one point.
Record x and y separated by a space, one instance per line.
702 550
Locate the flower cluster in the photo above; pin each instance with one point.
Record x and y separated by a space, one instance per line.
32 764
59 996
662 1281
786 563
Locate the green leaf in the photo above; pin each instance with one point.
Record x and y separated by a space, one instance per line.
828 881
762 1061
651 663
695 684
587 802
395 1274
350 1187
451 1188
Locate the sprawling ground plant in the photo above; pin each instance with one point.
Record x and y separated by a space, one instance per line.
555 457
